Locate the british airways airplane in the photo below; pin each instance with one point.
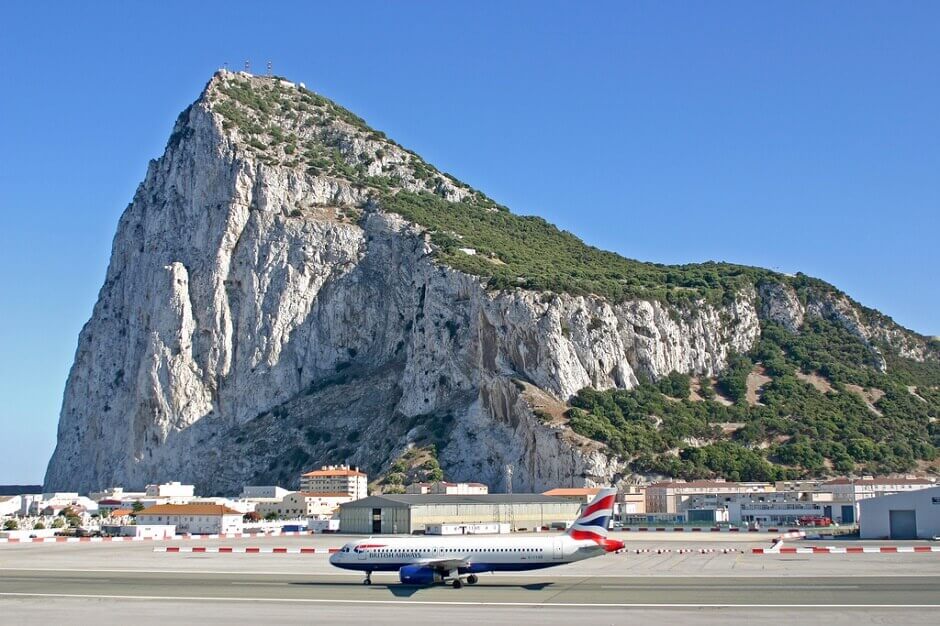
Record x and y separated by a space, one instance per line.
427 560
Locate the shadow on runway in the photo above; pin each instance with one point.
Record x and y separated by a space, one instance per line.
400 590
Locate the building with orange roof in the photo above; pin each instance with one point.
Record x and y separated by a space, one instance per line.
856 489
669 496
196 519
336 479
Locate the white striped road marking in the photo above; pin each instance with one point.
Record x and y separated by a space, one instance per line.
775 586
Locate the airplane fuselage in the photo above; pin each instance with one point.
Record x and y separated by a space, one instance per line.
479 553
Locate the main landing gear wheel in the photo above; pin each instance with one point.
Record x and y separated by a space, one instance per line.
472 579
457 584
368 580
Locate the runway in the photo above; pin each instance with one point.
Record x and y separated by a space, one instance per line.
507 590
90 582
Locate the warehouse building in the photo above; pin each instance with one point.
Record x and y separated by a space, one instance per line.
412 513
913 515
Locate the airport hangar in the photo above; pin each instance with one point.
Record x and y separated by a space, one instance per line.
911 515
412 513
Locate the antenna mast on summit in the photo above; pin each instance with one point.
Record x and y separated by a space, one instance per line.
248 65
269 68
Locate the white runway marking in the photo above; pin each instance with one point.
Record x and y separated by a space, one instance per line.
775 586
255 583
581 605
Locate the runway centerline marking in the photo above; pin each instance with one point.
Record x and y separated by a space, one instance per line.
768 587
255 583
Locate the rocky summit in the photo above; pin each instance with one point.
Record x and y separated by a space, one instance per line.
290 287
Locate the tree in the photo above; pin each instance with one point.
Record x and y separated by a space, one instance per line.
11 524
252 516
58 522
39 526
271 516
137 507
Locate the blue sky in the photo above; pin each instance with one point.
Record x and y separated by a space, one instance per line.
797 136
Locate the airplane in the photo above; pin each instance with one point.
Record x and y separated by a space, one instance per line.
428 560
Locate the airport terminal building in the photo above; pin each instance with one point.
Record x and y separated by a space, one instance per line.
412 513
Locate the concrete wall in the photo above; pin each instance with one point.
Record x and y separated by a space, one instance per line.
874 522
408 519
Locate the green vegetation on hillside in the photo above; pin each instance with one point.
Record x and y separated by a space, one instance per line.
529 252
796 430
414 465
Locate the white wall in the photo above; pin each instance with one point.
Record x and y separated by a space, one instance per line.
875 513
195 524
11 506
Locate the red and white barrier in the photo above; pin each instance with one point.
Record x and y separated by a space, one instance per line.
715 529
685 551
170 538
246 550
847 550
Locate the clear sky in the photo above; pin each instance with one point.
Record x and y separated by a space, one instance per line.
796 136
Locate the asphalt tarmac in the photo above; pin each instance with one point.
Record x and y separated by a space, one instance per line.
88 583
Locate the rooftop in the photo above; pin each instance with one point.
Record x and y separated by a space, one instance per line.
880 481
333 471
572 491
410 499
189 509
696 484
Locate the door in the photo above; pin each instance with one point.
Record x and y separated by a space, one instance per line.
557 549
903 524
377 521
848 514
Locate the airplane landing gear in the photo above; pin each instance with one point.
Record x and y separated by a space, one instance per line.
368 580
472 579
457 583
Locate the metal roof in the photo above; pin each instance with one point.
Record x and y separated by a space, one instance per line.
414 499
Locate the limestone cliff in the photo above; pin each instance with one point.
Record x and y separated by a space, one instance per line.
263 312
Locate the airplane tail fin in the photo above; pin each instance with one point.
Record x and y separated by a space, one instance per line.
594 520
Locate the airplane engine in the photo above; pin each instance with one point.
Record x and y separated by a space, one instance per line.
418 575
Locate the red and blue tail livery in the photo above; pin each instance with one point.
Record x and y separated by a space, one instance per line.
428 560
595 520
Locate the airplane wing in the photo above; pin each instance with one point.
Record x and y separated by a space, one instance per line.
446 565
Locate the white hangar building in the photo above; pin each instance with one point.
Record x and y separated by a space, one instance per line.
914 515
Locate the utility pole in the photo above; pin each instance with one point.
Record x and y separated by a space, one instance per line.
509 493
